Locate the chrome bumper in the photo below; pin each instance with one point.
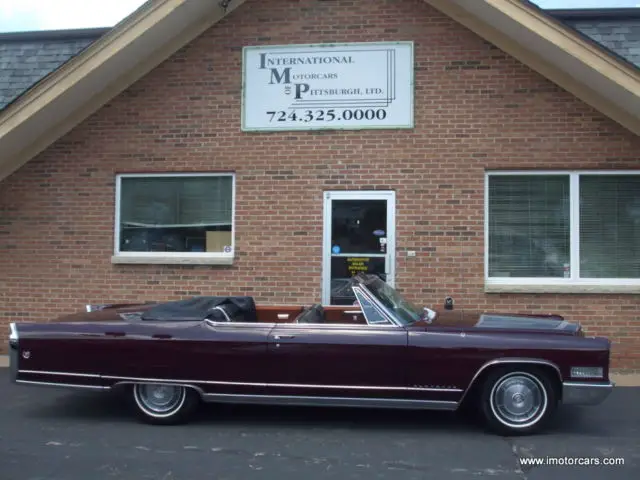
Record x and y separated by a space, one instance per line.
13 353
583 393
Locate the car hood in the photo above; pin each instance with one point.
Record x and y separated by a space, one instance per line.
506 322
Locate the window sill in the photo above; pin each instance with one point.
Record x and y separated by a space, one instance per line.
188 259
575 288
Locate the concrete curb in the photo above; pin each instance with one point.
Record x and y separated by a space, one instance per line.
626 379
620 379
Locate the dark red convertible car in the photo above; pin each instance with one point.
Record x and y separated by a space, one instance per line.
381 352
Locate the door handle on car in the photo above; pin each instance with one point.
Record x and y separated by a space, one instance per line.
283 337
353 312
115 334
161 336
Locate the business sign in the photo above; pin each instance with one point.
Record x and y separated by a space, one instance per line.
310 87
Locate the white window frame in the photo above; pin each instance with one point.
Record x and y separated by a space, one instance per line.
180 258
390 256
573 284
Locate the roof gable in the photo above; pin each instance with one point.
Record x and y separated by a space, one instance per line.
28 57
159 28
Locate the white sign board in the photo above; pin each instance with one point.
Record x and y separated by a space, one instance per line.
345 86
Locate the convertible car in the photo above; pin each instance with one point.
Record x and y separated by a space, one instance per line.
382 352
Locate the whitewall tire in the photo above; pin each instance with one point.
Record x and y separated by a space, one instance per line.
517 401
164 404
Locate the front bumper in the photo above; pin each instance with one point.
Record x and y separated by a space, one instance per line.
584 393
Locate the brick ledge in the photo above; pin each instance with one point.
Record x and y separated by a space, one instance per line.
583 289
170 260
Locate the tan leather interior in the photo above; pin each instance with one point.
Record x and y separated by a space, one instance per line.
287 314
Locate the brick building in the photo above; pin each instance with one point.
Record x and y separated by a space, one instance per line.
496 163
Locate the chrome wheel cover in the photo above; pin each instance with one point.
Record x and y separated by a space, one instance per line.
159 400
518 400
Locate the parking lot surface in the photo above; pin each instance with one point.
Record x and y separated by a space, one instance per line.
51 434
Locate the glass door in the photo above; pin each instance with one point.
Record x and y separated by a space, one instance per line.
359 236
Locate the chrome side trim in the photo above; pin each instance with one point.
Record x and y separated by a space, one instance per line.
364 387
331 401
63 374
213 323
192 383
500 361
337 326
585 393
63 385
282 385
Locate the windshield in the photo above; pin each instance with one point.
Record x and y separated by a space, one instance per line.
404 310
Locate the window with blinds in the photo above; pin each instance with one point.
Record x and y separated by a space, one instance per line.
610 226
529 234
175 213
564 227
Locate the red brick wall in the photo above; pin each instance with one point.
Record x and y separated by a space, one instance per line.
475 108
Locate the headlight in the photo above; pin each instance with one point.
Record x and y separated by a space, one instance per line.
587 372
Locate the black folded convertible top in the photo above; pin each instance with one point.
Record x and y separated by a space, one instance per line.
199 308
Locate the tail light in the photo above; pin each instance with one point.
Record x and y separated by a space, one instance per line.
13 335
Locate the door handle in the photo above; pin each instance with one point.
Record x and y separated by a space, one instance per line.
161 336
284 337
353 312
115 334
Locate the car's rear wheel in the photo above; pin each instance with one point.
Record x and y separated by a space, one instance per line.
517 401
164 404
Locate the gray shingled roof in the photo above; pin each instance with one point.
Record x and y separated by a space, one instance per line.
621 36
27 57
617 29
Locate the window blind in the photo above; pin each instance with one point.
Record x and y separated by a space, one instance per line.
176 201
529 225
610 226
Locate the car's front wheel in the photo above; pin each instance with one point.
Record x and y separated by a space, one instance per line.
517 402
164 404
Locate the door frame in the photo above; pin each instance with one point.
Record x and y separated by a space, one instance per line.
330 195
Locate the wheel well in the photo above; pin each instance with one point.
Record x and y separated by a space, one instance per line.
550 372
127 387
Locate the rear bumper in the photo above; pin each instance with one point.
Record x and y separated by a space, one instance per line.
13 363
584 393
13 353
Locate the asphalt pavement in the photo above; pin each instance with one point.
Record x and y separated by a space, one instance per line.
51 434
